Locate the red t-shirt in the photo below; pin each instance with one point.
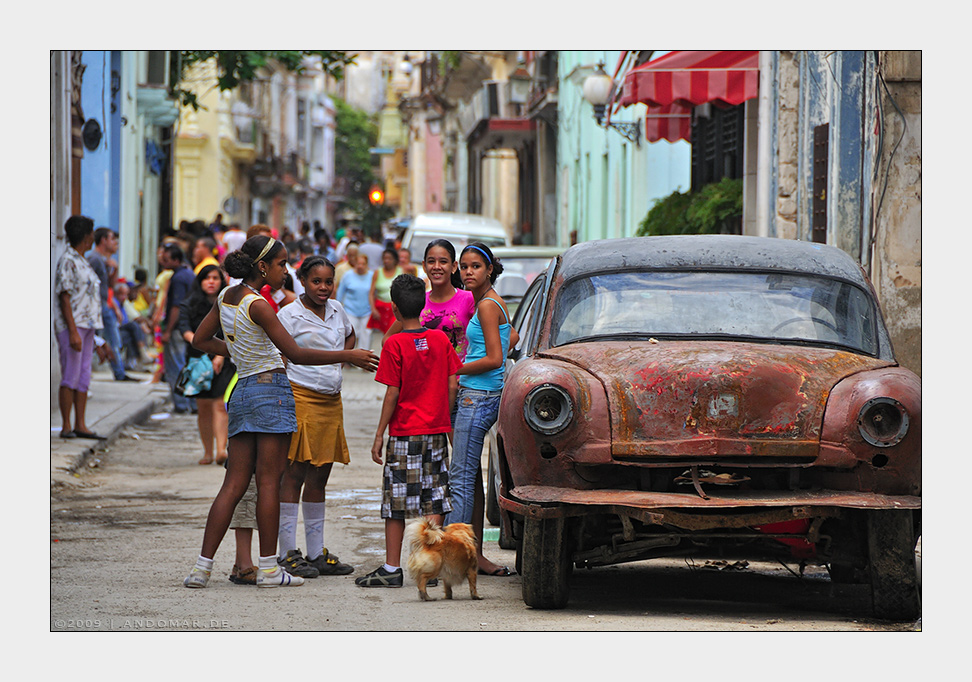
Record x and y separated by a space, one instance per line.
419 363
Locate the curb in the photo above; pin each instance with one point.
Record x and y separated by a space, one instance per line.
68 475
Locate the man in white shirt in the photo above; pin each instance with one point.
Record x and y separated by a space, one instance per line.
234 237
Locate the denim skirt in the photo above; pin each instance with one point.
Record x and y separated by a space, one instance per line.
262 403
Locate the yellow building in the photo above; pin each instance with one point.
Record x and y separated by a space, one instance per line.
214 146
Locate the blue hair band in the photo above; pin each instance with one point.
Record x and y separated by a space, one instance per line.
473 246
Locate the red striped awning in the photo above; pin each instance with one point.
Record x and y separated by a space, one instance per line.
674 83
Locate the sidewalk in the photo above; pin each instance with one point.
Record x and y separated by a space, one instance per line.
112 405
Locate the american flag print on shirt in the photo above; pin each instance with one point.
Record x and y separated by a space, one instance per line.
421 344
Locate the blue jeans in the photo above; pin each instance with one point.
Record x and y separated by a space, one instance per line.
476 412
173 360
111 335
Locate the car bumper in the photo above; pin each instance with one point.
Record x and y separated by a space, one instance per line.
689 509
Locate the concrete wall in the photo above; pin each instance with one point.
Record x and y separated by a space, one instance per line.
896 205
606 184
874 173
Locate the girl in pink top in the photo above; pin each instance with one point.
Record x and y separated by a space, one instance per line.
447 307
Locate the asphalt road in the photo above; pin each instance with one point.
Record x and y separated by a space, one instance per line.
139 515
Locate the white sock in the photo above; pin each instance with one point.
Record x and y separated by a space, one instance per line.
314 528
204 564
287 534
268 563
390 568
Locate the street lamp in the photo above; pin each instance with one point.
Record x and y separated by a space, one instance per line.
406 66
597 90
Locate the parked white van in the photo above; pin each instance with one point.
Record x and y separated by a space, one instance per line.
458 228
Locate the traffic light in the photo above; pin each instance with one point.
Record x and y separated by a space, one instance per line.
376 196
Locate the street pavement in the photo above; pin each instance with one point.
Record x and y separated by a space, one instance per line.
112 405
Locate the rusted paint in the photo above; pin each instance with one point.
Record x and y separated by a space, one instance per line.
718 499
679 397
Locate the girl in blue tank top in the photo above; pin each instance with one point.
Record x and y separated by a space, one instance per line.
489 334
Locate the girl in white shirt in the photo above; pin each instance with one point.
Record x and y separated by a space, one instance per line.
315 321
261 406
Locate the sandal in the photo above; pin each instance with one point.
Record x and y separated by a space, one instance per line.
246 576
501 572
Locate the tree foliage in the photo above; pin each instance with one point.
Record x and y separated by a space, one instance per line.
716 208
356 133
241 66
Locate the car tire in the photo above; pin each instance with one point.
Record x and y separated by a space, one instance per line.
546 563
891 542
492 491
506 540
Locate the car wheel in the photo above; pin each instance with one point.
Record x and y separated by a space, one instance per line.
891 554
518 534
492 490
545 563
506 540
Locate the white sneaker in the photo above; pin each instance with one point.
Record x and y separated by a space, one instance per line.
196 578
278 578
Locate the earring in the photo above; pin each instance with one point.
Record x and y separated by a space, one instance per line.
264 273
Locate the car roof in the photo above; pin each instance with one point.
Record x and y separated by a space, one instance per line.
710 251
527 251
464 223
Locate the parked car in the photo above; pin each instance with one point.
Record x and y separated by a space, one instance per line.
709 396
458 228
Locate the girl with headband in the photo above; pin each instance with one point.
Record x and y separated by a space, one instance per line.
261 406
448 306
489 335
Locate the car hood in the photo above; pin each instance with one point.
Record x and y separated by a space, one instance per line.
673 399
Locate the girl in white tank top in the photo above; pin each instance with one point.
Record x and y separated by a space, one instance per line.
261 407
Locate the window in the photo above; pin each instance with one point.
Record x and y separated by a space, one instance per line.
717 143
821 153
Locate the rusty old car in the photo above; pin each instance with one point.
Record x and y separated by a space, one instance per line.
712 395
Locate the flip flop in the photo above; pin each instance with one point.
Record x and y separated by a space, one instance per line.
68 434
501 572
86 434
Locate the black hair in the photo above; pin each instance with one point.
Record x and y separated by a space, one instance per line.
141 275
196 304
101 234
312 262
77 227
455 278
408 294
484 252
242 263
393 252
174 252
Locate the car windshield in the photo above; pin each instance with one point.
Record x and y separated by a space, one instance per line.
787 307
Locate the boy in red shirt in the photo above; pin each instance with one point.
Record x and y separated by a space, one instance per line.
418 366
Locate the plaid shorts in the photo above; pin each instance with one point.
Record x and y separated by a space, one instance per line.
416 477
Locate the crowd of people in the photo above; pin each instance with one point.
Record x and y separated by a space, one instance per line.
273 322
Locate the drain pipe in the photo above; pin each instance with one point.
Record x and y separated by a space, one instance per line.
764 158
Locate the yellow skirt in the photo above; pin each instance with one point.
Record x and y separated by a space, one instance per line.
320 428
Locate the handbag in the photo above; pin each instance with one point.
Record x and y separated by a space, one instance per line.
196 377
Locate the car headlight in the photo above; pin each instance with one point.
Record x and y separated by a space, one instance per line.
548 409
883 422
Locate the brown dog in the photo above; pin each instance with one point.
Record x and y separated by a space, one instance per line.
434 552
